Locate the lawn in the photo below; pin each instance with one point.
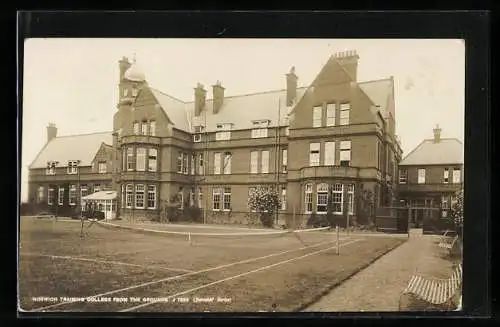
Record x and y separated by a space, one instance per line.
218 274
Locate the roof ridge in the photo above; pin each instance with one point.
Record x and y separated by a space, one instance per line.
254 93
168 95
376 80
72 135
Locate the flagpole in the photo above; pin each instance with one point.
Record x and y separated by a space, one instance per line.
278 157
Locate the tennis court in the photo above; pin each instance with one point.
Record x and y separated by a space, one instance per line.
182 269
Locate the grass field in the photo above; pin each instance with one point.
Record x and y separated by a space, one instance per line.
121 271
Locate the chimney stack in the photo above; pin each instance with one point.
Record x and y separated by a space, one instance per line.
349 60
124 64
291 87
51 132
200 95
437 134
218 96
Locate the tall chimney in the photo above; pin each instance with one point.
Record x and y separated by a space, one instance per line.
349 60
437 134
218 95
51 132
124 64
200 95
291 87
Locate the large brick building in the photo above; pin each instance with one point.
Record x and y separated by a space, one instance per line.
211 153
430 175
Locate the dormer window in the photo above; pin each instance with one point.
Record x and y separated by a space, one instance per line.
260 128
136 128
223 132
125 92
197 133
72 167
134 92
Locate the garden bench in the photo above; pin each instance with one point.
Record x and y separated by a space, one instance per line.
446 244
436 292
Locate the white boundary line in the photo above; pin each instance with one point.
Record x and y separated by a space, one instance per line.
118 263
186 275
237 276
209 234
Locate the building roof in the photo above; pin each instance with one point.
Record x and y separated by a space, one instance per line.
174 108
378 91
74 147
101 195
242 110
446 151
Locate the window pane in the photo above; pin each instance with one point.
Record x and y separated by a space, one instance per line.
227 163
153 153
456 176
152 128
421 176
144 128
141 159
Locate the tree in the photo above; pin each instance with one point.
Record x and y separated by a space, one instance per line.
457 211
265 202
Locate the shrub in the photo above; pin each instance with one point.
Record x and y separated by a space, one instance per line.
265 201
316 220
457 211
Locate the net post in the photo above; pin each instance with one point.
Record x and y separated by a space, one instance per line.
338 241
189 237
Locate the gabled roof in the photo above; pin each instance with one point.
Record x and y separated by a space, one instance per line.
446 151
243 109
74 147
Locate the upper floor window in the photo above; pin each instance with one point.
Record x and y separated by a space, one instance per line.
193 163
345 109
227 162
144 128
456 176
39 194
330 114
141 159
125 92
314 154
345 153
260 128
102 167
217 161
198 130
201 169
254 160
329 153
130 159
153 155
446 175
185 159
223 132
421 176
152 128
403 176
73 167
264 168
284 163
136 128
179 162
317 116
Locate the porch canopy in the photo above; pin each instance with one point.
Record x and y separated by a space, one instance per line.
101 195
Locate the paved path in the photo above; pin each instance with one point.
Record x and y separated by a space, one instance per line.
378 287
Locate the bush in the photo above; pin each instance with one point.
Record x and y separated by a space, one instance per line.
316 220
265 201
267 219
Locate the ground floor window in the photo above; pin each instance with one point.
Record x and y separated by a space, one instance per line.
350 199
322 198
200 197
338 198
40 194
283 197
130 195
60 200
308 198
151 196
139 196
50 196
72 195
216 199
227 198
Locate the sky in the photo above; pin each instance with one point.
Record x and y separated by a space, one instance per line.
74 82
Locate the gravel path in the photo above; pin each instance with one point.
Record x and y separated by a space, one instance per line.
378 287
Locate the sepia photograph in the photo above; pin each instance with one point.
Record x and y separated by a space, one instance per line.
241 175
